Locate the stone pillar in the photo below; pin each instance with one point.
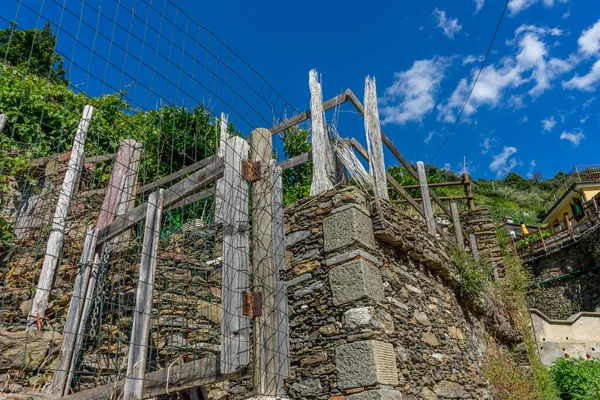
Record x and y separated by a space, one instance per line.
479 222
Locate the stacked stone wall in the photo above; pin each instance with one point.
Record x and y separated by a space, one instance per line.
479 222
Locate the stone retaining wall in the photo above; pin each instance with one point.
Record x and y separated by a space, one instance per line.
373 311
479 222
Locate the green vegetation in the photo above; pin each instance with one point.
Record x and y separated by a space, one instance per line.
296 180
474 275
577 378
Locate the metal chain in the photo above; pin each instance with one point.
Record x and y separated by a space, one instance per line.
100 293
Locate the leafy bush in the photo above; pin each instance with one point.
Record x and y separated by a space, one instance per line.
577 378
508 380
474 274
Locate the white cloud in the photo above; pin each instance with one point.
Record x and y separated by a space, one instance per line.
548 123
566 15
525 118
504 162
429 137
589 102
532 165
448 25
589 41
531 64
584 119
516 6
413 93
486 145
574 137
478 5
470 59
587 82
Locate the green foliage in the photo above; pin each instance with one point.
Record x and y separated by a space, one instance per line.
474 275
33 49
577 378
296 180
6 233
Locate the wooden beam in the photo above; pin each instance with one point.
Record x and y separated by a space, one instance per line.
373 133
130 188
437 184
458 232
468 193
209 174
299 118
473 245
233 206
193 198
295 161
263 266
59 221
175 378
100 158
178 174
425 196
282 345
322 166
441 198
140 331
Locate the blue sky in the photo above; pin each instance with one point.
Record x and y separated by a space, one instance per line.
535 107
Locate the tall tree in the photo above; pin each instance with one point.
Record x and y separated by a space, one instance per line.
34 49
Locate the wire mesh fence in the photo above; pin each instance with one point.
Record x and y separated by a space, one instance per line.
131 260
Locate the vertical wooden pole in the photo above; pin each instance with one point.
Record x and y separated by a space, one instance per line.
140 331
263 265
542 238
321 148
130 186
3 120
569 225
457 227
59 378
495 273
221 150
468 192
59 221
282 347
427 209
126 156
473 245
514 245
233 203
374 143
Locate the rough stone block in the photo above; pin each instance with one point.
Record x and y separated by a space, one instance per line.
346 228
366 363
355 280
378 394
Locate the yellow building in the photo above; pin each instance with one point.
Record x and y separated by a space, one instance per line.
571 204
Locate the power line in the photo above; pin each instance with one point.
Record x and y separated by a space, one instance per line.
474 83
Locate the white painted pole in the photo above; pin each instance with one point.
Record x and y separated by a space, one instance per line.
59 221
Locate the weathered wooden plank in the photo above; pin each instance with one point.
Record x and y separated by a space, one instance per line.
441 198
175 378
209 174
235 328
299 118
59 221
374 145
295 161
130 186
458 232
437 184
100 158
178 174
59 379
282 347
468 193
425 196
3 121
322 166
263 265
140 331
193 198
473 245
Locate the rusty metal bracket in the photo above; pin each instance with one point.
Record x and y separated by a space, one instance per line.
252 303
250 171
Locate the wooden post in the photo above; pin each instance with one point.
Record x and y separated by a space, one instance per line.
130 186
233 203
59 384
59 221
114 197
514 245
427 209
468 193
495 273
282 346
323 168
140 331
473 244
542 238
263 265
457 227
569 225
374 144
3 120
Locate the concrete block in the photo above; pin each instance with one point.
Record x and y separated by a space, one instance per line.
366 363
377 394
355 280
350 255
348 228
